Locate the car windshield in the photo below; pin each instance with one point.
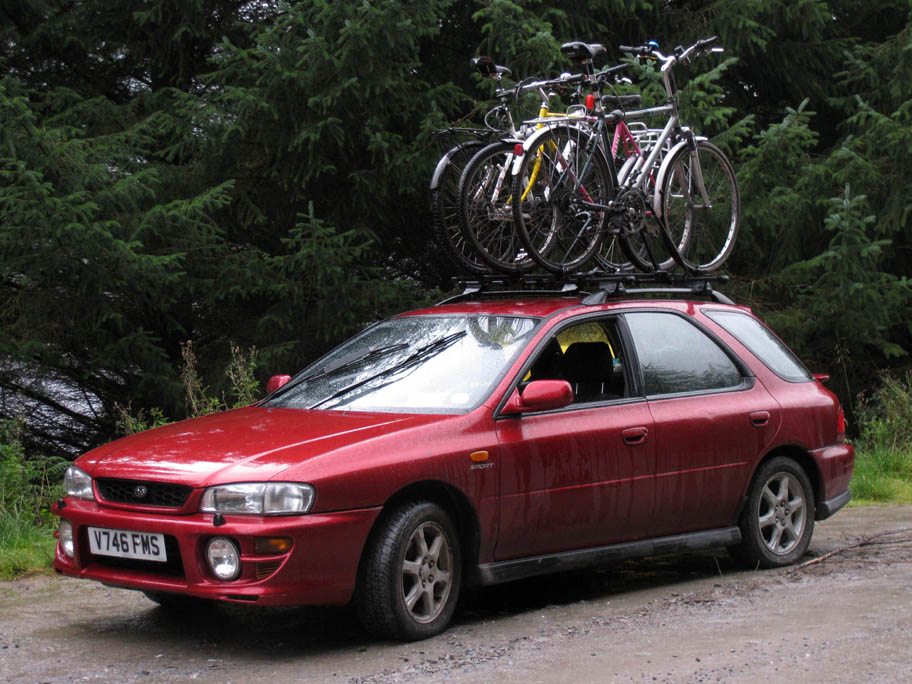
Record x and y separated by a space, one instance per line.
412 364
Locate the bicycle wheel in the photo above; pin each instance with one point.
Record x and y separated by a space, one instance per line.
445 205
485 218
702 226
556 176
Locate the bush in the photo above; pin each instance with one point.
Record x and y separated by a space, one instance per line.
27 488
883 466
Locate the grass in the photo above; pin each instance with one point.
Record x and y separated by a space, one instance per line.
882 476
24 546
27 487
883 452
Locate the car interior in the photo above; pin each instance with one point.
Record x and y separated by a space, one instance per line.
588 357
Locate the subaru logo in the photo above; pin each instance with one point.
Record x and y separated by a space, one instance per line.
140 491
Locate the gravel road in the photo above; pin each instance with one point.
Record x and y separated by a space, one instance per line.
691 618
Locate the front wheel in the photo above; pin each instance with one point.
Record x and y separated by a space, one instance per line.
778 520
411 574
701 205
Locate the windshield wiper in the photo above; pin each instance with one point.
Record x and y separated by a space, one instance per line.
346 364
420 355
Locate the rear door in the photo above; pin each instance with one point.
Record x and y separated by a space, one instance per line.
712 421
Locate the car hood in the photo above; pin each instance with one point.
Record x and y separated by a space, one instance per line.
249 444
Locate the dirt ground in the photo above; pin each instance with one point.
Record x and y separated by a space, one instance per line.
682 619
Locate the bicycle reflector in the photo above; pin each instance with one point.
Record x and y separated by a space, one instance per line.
518 149
590 102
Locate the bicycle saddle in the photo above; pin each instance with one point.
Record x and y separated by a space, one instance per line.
578 51
486 67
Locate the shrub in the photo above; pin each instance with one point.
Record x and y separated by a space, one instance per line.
27 488
883 466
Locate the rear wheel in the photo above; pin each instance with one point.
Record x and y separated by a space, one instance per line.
485 217
445 206
411 574
555 185
778 520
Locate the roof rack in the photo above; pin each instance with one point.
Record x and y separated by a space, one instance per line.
596 288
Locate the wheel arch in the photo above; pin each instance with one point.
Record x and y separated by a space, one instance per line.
449 498
803 458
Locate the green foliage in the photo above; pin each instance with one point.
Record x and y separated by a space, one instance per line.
239 175
883 466
27 488
243 389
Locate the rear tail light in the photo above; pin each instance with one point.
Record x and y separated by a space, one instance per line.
840 425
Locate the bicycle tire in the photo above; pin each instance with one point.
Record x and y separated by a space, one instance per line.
704 235
445 206
485 218
556 171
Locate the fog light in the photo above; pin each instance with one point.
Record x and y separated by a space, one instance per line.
224 558
65 537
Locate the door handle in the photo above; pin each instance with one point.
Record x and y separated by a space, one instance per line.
760 418
635 436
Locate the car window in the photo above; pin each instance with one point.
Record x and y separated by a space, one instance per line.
589 357
676 356
763 344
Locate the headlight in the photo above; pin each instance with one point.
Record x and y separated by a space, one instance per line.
78 484
258 498
65 537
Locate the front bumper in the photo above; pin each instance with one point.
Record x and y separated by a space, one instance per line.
320 569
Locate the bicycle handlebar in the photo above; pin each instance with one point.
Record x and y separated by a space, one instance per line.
651 49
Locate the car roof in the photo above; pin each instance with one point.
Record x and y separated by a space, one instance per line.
538 307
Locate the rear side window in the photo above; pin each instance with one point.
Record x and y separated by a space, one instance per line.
763 344
676 356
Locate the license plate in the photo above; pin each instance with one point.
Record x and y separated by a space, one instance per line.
127 544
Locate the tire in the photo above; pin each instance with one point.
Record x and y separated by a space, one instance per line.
445 206
778 520
704 235
553 174
485 218
411 574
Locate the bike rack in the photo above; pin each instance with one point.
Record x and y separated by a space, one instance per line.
595 288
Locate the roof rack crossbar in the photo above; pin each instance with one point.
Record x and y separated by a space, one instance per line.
596 288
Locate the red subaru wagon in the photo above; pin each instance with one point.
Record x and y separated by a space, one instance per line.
475 442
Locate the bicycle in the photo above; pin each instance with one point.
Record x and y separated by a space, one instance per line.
569 189
485 201
445 179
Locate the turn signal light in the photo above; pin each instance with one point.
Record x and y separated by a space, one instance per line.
272 545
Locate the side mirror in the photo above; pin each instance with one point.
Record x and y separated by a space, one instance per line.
275 382
540 395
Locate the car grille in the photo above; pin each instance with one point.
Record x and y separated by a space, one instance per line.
143 493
